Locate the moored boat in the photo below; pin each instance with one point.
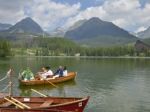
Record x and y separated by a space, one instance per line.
42 104
70 76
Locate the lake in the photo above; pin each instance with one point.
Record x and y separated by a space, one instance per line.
113 84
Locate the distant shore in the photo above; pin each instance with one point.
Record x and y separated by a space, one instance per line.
82 56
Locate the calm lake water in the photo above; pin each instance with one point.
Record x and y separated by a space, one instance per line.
114 84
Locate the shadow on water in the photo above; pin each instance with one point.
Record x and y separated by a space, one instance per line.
26 90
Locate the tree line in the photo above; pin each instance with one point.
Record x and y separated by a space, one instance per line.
5 48
39 46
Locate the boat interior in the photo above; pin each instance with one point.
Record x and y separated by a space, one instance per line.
34 102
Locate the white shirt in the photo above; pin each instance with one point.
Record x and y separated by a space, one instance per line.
65 73
49 72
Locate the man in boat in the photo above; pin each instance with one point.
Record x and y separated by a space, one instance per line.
59 72
27 75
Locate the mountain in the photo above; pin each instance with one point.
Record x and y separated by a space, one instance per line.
97 32
77 24
4 26
58 32
144 34
26 25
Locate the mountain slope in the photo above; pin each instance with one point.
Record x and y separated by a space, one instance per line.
144 34
26 25
4 26
77 24
95 31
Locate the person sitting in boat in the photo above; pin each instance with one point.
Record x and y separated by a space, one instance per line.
47 73
27 75
59 72
65 72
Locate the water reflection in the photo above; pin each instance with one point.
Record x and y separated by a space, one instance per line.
47 88
114 84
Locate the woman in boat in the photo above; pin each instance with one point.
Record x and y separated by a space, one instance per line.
47 73
65 72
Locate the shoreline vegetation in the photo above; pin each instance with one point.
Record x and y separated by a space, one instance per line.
61 47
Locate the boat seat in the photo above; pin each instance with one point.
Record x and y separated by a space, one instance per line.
46 103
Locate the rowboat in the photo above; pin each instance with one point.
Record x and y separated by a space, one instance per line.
42 104
70 76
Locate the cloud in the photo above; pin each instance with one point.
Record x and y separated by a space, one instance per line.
51 14
12 10
127 14
140 29
47 13
86 14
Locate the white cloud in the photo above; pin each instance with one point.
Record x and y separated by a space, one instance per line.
140 29
12 11
47 13
120 22
50 14
86 14
127 14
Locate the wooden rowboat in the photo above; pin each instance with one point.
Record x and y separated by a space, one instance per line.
70 76
42 104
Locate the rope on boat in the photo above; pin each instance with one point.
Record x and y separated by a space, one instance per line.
5 88
4 78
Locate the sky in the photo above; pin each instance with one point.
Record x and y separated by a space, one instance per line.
131 15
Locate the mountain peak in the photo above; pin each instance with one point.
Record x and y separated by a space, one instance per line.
100 30
144 34
95 19
26 25
28 19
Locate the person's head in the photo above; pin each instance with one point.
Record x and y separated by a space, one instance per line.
48 67
44 69
60 67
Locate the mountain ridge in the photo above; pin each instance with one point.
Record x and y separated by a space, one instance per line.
4 26
26 25
100 30
144 34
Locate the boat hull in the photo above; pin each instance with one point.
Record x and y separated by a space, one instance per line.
77 105
70 76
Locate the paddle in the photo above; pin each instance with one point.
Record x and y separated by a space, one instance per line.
38 92
11 101
49 82
21 104
52 84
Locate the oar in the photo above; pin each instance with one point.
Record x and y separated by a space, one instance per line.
52 84
22 104
49 82
18 105
39 92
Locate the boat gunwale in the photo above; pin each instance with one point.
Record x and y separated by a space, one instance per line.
71 76
56 105
72 102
